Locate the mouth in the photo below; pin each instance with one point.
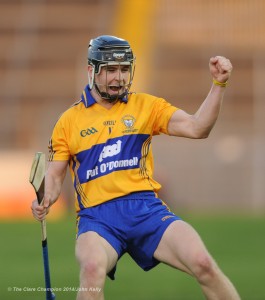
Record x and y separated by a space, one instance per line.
115 88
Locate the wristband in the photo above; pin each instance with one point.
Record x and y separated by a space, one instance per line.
222 84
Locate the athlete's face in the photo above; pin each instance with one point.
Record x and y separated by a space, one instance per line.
113 79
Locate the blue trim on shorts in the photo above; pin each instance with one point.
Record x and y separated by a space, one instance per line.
134 224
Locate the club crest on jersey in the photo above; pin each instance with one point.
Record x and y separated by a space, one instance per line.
129 121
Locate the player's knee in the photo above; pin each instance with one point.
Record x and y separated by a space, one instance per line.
92 270
205 268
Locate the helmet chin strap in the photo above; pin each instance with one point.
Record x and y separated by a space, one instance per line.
108 97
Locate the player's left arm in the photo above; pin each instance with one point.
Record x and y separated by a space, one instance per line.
200 124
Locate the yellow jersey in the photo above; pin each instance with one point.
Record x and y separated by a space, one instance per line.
109 150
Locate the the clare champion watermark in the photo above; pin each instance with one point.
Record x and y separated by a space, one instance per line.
28 289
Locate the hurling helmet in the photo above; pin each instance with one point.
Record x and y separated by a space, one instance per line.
108 50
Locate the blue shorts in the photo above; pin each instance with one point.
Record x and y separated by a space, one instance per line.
134 224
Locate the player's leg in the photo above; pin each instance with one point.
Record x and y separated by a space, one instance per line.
96 258
182 248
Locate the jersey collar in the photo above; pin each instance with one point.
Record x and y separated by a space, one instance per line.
89 100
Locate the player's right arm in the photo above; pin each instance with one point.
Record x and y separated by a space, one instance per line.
54 178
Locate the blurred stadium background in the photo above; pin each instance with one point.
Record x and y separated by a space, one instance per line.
43 71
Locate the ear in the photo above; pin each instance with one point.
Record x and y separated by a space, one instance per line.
89 69
90 75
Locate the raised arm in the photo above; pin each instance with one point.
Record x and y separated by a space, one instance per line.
53 184
200 124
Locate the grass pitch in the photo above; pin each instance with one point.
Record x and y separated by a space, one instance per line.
237 244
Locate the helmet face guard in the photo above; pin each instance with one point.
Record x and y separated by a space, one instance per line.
107 51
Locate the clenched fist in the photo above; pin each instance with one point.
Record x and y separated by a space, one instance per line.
220 68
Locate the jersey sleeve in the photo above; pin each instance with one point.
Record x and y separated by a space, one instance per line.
163 111
58 145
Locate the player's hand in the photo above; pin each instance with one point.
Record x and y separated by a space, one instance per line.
40 211
220 68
